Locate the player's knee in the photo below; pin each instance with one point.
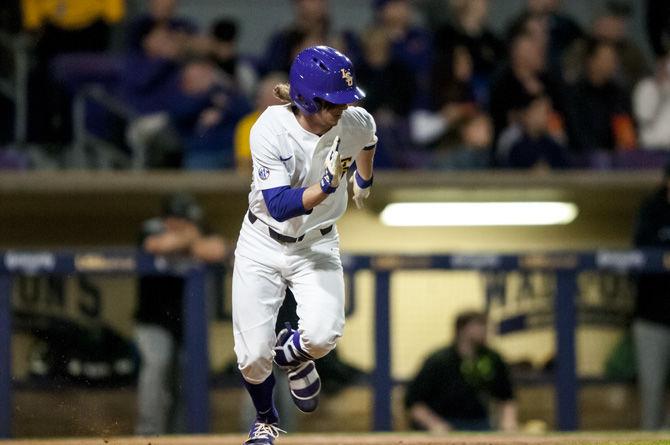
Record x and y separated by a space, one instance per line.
256 367
319 341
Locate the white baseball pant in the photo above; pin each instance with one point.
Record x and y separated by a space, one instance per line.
264 267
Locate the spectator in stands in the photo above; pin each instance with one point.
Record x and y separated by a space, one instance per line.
651 326
389 87
651 105
612 26
599 111
411 45
454 385
205 111
265 97
658 26
467 32
524 75
379 73
177 235
453 103
158 42
562 30
434 13
311 26
223 50
454 89
64 27
533 140
471 147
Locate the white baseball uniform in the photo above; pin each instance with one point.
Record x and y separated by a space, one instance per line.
285 154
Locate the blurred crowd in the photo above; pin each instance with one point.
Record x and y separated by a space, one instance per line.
446 91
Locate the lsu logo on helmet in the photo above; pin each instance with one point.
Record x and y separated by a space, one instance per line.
346 75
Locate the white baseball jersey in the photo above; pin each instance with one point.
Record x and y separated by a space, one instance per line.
284 153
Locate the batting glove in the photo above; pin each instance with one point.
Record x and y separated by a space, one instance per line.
361 188
333 164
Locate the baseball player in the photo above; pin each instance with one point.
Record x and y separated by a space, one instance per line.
301 152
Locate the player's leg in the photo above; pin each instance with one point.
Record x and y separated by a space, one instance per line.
320 298
652 345
156 348
258 291
318 286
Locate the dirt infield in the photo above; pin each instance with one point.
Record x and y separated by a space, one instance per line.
375 439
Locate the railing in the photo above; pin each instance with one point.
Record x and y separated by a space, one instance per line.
566 265
106 154
16 88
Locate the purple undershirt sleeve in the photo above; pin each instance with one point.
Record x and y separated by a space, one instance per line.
285 202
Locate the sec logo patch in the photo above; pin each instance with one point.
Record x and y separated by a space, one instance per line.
263 173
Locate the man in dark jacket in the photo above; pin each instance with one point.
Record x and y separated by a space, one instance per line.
177 236
651 328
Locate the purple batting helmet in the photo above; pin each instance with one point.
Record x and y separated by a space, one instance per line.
322 72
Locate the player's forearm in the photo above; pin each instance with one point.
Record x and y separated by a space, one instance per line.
209 249
313 196
428 419
167 243
364 162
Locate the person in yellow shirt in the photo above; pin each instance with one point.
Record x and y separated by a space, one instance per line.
62 27
264 98
70 14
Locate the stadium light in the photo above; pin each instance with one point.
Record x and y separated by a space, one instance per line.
479 213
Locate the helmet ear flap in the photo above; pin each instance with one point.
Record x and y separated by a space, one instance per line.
308 105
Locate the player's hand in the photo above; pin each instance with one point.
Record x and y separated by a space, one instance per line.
333 164
361 189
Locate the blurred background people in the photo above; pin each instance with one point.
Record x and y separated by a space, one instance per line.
64 27
468 149
467 35
312 25
599 109
411 44
224 52
651 106
455 384
651 325
157 44
613 25
204 111
265 97
454 97
658 26
178 234
562 30
390 88
525 74
158 41
533 140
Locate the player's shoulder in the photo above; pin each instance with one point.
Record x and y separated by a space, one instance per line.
358 117
272 120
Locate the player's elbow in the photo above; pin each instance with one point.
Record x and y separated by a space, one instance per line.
284 202
281 217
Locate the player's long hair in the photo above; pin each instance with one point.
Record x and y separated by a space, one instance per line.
282 92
